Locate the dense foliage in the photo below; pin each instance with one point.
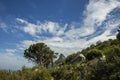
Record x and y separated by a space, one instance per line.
118 35
40 53
94 53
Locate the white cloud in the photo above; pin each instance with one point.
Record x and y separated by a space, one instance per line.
52 28
97 11
11 50
110 25
95 14
22 20
31 29
102 37
10 60
3 26
25 44
54 39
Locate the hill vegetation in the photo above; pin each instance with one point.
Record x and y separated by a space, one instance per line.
102 62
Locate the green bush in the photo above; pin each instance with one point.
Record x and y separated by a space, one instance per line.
112 52
43 74
94 53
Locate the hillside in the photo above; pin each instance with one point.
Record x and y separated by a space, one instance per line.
100 62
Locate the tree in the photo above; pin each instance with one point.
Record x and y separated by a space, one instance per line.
94 53
40 53
112 52
70 57
118 35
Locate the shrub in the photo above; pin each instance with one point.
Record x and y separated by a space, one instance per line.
94 53
43 74
112 52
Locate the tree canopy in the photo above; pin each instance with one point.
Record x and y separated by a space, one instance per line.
94 53
118 35
40 53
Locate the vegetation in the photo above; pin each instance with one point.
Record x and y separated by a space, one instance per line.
118 35
94 68
94 53
40 53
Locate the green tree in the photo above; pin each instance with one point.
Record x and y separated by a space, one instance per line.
118 35
112 52
40 53
94 53
70 57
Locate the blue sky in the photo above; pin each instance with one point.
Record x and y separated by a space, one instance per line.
66 26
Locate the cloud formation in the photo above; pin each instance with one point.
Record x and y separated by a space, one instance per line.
48 27
97 11
66 38
95 14
3 26
10 60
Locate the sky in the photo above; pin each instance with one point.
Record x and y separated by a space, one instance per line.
66 26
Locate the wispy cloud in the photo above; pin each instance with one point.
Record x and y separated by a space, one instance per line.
95 14
48 27
3 26
25 44
97 11
10 60
66 40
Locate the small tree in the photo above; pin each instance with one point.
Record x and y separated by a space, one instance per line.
40 53
94 53
112 52
118 35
